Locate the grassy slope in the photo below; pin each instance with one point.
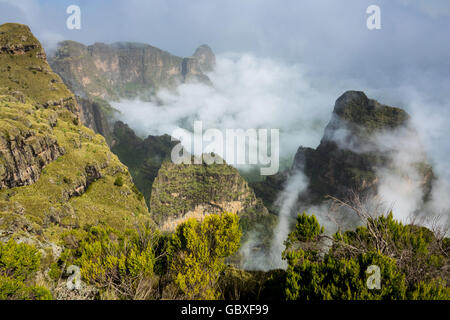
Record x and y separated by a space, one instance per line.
57 200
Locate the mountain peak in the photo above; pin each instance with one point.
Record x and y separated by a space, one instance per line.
355 108
26 73
205 57
15 34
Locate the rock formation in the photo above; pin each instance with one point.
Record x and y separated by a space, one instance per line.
182 191
352 149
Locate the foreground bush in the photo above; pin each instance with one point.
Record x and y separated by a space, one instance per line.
197 251
409 259
18 263
119 264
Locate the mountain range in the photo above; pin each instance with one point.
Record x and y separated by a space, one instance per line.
67 162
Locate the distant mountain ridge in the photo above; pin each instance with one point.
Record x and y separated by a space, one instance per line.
127 69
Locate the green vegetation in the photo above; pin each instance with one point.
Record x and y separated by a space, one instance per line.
406 255
367 116
24 69
120 264
73 171
179 188
119 181
75 189
197 252
18 264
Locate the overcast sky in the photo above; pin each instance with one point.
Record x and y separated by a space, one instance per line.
325 34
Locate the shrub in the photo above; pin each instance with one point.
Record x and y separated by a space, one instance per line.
18 260
197 251
341 273
14 289
18 263
119 181
114 261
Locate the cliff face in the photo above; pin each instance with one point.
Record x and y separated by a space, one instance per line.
101 72
349 153
182 191
205 57
55 174
143 157
126 69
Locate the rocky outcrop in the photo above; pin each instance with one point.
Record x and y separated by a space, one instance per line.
205 57
26 73
182 191
23 155
352 149
143 157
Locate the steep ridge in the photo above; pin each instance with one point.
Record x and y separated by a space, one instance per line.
143 157
55 173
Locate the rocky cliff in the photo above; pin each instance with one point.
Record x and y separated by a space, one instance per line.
143 157
55 174
101 72
182 191
360 141
126 69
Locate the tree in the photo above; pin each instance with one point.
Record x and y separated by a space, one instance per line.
197 251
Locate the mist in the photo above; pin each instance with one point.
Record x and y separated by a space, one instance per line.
249 93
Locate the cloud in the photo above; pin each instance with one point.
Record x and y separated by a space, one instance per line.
249 92
435 8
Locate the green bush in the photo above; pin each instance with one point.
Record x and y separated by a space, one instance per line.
399 251
197 251
18 260
307 228
13 289
112 260
18 263
119 181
